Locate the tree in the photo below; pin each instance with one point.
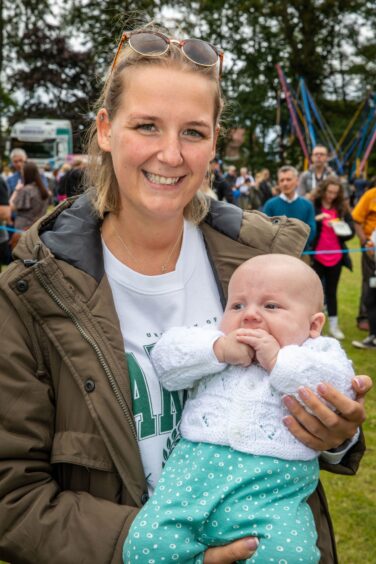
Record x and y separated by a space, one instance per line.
55 80
16 16
316 39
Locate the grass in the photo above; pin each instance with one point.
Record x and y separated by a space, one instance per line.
352 500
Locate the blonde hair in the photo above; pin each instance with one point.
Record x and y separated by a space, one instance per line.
100 174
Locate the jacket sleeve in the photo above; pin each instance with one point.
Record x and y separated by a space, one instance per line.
184 355
312 223
303 187
39 523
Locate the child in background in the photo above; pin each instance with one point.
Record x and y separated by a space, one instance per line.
238 471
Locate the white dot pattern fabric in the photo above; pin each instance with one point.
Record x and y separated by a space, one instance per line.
209 495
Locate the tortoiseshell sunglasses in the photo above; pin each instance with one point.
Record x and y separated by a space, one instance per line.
155 44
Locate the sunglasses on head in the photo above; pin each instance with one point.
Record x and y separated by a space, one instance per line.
155 44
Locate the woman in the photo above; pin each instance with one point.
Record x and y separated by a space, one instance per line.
85 425
334 227
264 185
29 200
30 197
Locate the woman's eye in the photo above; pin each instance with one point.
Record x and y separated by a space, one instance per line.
147 127
193 133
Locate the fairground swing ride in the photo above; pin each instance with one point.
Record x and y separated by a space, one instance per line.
350 154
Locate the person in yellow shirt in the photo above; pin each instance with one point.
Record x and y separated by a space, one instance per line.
364 216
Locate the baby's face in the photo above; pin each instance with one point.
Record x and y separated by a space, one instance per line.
280 305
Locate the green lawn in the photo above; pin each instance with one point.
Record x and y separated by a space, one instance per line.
352 500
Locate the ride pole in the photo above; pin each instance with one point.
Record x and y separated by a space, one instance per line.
308 113
368 151
292 113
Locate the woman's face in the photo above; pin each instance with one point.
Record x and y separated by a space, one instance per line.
161 139
331 193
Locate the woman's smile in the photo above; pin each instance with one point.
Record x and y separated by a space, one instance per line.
162 180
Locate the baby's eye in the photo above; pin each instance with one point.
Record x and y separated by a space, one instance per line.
237 306
271 306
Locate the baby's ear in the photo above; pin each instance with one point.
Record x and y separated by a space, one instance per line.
317 323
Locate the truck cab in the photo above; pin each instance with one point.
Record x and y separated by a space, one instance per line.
46 141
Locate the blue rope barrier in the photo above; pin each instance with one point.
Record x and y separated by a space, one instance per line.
342 251
11 229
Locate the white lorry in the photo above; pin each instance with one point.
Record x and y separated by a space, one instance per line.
46 141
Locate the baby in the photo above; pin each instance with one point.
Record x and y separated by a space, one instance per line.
238 471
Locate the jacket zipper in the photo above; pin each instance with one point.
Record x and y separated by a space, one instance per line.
93 344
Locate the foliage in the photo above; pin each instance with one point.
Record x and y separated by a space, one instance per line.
329 42
319 40
54 80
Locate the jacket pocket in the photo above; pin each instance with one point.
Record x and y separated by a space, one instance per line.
83 449
81 463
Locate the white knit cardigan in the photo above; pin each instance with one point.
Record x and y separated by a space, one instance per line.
242 407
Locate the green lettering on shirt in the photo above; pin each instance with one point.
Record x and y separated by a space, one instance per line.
171 410
172 406
141 399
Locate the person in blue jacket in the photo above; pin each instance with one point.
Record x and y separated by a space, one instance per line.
288 202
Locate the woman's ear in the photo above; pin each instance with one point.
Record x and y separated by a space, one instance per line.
104 130
317 323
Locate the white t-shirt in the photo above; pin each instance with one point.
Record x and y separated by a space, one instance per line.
147 306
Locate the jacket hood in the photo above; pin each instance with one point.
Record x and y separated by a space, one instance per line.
72 233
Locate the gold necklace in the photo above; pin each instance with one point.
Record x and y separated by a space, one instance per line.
164 265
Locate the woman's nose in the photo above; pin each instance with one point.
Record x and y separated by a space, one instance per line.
171 153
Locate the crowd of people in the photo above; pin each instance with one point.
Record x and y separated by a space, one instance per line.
318 197
333 208
86 427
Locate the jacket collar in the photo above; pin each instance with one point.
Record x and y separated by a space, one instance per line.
73 232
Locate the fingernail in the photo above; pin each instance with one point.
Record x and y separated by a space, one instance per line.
322 388
303 392
287 421
252 543
360 383
287 400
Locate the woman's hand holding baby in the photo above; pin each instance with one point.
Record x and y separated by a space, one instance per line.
263 343
230 350
324 429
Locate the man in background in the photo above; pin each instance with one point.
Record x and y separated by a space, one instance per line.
18 157
317 172
289 203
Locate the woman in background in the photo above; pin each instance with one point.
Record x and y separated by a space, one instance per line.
334 227
30 198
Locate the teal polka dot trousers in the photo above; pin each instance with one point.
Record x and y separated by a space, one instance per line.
210 495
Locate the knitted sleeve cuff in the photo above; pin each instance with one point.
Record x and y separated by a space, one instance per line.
184 355
317 360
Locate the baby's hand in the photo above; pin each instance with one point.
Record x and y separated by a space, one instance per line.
265 346
230 350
